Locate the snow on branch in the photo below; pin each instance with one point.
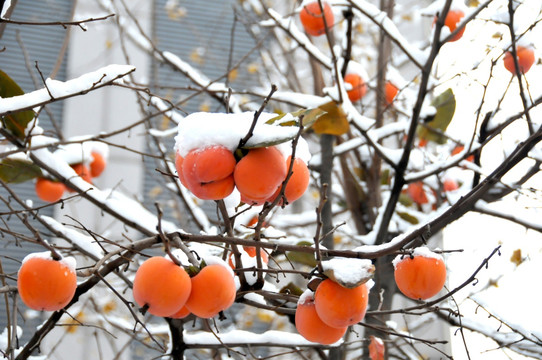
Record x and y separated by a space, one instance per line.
58 90
287 25
381 19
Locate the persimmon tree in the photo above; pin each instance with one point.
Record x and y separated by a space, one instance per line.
369 130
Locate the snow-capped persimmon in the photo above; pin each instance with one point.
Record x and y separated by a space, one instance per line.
161 287
390 92
453 18
310 326
207 172
312 19
339 306
417 193
421 275
213 290
526 59
359 88
259 173
48 190
46 284
97 165
83 171
297 183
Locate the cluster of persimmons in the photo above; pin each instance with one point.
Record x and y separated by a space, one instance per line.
165 289
324 316
212 173
51 190
316 17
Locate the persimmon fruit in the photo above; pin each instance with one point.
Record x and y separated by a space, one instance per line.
526 59
82 171
207 172
48 190
453 18
449 185
311 327
251 251
259 173
420 277
161 287
417 193
46 284
359 88
97 165
297 183
339 306
213 291
181 314
390 92
456 150
312 19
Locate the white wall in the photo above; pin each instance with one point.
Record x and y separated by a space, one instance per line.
103 110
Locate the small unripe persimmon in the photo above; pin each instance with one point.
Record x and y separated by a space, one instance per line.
359 88
46 284
339 306
526 59
161 287
48 190
420 276
311 327
312 20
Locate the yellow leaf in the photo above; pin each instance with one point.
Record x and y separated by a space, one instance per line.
253 68
516 257
334 122
233 74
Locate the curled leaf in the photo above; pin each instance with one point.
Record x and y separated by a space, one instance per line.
333 122
377 349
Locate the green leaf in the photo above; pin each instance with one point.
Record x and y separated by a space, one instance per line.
434 129
309 117
291 288
408 217
16 122
17 170
302 257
